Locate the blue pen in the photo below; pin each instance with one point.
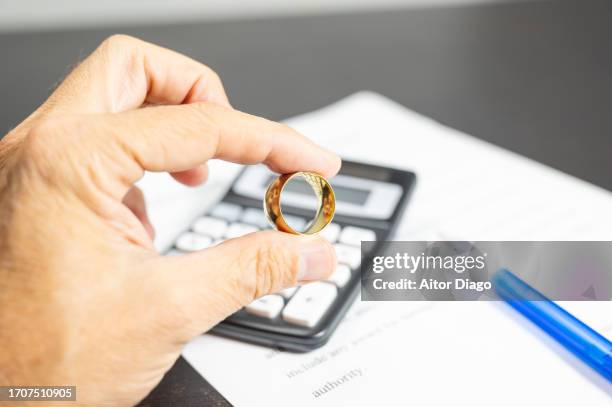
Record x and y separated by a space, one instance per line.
584 342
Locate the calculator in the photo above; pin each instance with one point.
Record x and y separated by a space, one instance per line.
370 201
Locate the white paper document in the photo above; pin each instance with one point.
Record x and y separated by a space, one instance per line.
423 353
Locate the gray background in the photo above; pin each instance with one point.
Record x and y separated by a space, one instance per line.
531 77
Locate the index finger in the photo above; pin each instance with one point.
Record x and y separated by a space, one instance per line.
175 138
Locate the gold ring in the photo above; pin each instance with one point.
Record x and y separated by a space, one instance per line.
325 197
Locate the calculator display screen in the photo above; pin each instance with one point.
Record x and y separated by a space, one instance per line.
351 195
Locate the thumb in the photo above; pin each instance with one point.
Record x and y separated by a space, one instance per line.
205 287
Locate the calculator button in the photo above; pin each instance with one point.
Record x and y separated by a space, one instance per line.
354 236
330 232
227 211
295 222
309 304
268 306
288 292
341 276
255 217
349 255
208 226
239 229
191 242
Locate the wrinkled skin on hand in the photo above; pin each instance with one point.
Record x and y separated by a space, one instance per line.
85 299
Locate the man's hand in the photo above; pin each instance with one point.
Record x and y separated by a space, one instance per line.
85 299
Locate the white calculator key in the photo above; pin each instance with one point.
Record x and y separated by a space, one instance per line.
309 304
295 222
288 292
330 232
191 242
208 226
354 236
268 306
239 229
341 276
255 217
349 255
227 211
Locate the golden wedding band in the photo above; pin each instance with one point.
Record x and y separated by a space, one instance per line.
323 192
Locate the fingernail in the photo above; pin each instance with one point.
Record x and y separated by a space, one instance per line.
317 260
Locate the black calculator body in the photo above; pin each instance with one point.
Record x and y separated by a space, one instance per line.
370 201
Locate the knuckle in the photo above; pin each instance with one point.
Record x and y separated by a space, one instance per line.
282 129
57 146
122 49
205 116
76 153
41 146
41 138
119 42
